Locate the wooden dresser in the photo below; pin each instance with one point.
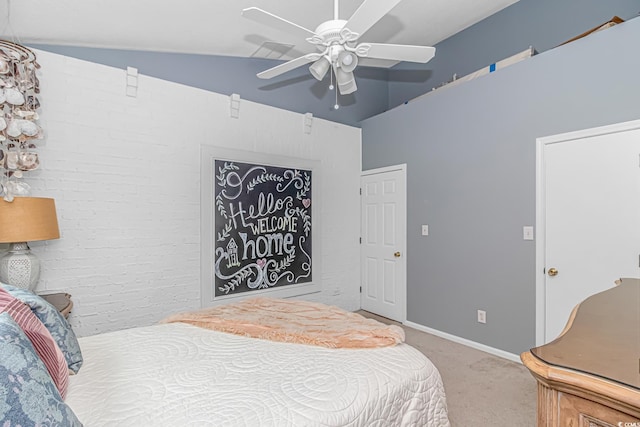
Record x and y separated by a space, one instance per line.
590 375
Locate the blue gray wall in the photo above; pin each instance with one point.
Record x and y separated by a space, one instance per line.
470 154
542 24
295 91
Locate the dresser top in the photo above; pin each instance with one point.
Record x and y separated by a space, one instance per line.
603 338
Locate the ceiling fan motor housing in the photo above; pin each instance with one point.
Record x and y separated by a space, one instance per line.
330 32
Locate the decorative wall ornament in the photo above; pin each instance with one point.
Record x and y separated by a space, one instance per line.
19 128
262 227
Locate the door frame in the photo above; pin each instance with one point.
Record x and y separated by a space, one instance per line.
402 168
540 231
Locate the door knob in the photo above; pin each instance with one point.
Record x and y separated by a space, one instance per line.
552 272
397 254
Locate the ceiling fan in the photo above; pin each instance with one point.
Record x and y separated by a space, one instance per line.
337 43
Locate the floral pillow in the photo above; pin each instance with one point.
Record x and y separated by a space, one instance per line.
41 339
54 321
27 394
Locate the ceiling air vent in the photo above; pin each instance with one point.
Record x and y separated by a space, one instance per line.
271 50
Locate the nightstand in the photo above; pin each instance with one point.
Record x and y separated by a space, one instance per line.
61 301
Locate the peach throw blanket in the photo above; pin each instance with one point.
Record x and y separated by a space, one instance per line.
294 321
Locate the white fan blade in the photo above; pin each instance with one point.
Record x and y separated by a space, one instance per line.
376 63
289 65
274 21
369 12
396 52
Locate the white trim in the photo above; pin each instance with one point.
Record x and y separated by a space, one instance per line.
591 132
540 232
540 208
402 168
496 352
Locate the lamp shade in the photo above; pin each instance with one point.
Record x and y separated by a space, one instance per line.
348 61
319 68
28 219
346 81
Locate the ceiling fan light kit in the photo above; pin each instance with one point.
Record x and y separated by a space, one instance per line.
347 61
346 81
337 42
319 68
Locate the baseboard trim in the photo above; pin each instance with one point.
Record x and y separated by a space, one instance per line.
464 341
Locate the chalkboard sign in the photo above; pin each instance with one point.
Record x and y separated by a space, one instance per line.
262 231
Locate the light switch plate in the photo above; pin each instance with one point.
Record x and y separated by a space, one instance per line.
425 230
527 232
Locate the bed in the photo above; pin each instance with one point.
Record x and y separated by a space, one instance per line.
179 374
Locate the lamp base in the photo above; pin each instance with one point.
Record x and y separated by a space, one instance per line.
19 267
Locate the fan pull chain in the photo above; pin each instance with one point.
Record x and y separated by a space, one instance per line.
332 87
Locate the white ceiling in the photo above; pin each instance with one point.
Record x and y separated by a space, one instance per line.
216 27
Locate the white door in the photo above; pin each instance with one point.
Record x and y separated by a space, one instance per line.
384 230
591 202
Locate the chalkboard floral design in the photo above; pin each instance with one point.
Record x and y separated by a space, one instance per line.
263 224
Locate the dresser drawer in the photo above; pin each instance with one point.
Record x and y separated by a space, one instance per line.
575 411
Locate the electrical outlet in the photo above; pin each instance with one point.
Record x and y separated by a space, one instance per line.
482 316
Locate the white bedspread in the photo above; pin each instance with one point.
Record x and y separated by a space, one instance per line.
182 375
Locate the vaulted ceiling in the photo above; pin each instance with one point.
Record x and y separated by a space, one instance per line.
216 27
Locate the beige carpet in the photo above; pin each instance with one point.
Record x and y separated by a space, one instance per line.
482 389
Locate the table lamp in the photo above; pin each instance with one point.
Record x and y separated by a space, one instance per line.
25 219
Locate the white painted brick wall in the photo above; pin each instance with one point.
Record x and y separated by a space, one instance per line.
125 175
